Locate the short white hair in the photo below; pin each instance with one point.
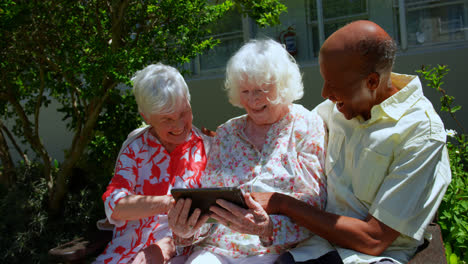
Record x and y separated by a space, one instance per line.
159 89
264 62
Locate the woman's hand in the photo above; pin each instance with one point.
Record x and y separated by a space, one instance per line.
160 252
254 220
182 225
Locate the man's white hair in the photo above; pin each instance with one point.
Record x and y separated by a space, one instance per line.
159 89
264 62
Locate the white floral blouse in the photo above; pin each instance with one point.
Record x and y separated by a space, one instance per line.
290 162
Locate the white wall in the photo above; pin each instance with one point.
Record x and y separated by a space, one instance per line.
52 131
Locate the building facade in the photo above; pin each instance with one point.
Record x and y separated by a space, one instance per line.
428 32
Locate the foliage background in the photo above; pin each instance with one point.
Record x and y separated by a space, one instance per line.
81 53
78 52
453 211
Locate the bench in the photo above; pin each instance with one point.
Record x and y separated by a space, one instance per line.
433 251
83 248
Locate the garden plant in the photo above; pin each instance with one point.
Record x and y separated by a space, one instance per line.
453 211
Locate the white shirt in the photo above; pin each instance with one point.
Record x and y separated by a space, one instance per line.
393 166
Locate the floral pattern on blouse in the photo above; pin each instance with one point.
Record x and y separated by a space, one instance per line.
290 162
144 167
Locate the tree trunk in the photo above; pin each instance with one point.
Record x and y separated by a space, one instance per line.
8 175
80 142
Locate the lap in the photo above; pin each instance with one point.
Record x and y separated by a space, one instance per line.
204 257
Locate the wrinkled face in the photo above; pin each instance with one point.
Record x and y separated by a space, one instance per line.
346 87
174 128
261 111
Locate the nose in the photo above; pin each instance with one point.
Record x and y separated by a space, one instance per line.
179 124
253 98
325 91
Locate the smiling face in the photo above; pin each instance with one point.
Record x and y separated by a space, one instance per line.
172 129
255 100
346 86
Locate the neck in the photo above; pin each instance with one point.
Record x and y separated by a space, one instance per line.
387 88
168 146
252 127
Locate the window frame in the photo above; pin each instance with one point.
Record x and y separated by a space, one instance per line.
246 33
403 8
321 21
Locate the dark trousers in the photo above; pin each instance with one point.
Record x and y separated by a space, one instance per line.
331 257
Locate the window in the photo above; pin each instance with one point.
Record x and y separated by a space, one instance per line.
326 16
231 30
430 22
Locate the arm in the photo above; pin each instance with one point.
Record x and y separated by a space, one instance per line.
120 201
418 175
369 236
135 207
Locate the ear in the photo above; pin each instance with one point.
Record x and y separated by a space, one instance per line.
373 80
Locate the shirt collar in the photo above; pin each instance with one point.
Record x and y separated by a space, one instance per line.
410 91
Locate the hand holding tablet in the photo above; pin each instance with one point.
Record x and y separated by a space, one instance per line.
203 198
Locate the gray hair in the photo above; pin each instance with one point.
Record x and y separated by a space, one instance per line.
378 54
159 89
264 62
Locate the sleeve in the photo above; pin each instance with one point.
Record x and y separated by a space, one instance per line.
412 191
309 181
122 184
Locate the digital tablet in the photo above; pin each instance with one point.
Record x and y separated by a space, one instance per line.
203 198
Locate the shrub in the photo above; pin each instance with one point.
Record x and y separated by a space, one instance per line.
26 228
453 211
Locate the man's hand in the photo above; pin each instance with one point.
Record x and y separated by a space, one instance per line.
270 201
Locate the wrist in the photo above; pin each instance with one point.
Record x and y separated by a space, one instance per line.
266 238
168 202
278 199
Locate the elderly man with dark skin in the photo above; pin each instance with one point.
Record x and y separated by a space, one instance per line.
386 163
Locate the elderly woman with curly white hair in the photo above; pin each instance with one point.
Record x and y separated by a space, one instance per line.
277 146
168 153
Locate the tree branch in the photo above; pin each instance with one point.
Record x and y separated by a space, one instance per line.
79 143
8 176
39 101
15 145
117 22
34 140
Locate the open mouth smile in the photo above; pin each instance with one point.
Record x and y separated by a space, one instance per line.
339 105
177 133
259 110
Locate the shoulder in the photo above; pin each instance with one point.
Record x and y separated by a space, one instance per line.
231 126
136 138
307 122
305 116
325 109
422 122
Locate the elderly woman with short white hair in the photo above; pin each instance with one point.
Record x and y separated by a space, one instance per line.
277 146
168 153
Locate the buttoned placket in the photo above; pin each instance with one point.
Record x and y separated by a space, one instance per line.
260 156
